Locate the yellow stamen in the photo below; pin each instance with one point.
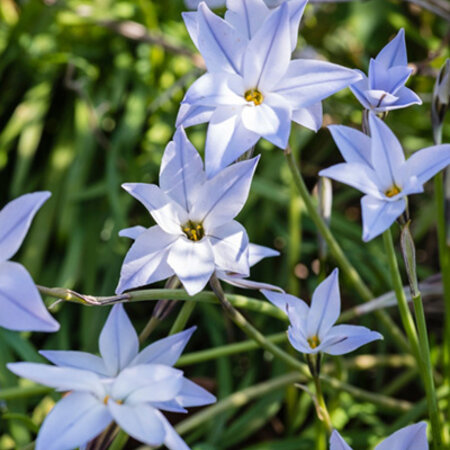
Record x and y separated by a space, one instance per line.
255 96
313 341
193 231
107 397
392 191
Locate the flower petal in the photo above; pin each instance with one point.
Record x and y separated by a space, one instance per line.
191 22
337 443
412 437
140 421
359 88
192 394
181 173
223 196
308 81
172 440
268 54
189 115
216 89
405 97
295 13
221 46
147 383
246 17
258 252
21 306
132 232
15 220
146 261
299 342
165 351
118 340
73 421
394 53
192 262
378 215
286 302
244 283
310 116
61 378
427 162
76 360
346 338
325 306
353 145
230 247
386 153
359 176
168 214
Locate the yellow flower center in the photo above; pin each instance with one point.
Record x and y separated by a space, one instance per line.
313 341
393 190
255 96
107 397
193 231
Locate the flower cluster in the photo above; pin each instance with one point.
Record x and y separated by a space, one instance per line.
252 89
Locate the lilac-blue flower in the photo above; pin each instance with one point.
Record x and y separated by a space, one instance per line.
121 385
21 306
252 88
195 233
384 89
312 328
376 166
412 437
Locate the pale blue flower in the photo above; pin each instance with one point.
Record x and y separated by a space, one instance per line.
377 167
412 437
21 306
252 88
384 89
195 232
121 385
312 328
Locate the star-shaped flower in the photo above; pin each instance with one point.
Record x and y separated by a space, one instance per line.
122 385
313 328
252 88
195 232
21 306
255 254
412 437
384 89
377 167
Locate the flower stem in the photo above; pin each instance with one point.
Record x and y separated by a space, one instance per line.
338 254
182 318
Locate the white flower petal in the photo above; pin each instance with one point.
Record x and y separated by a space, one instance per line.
353 145
76 360
378 215
146 261
286 302
325 306
246 16
189 115
118 340
310 116
172 439
132 232
181 173
337 443
168 214
192 262
226 139
15 220
241 282
258 252
73 421
230 246
140 421
21 306
412 437
165 351
223 196
192 394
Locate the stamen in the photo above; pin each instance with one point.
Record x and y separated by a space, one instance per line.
193 231
107 397
314 341
255 96
392 191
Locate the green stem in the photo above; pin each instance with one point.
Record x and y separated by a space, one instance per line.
427 373
323 412
405 313
182 318
338 254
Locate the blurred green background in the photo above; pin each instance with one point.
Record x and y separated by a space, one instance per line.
89 96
